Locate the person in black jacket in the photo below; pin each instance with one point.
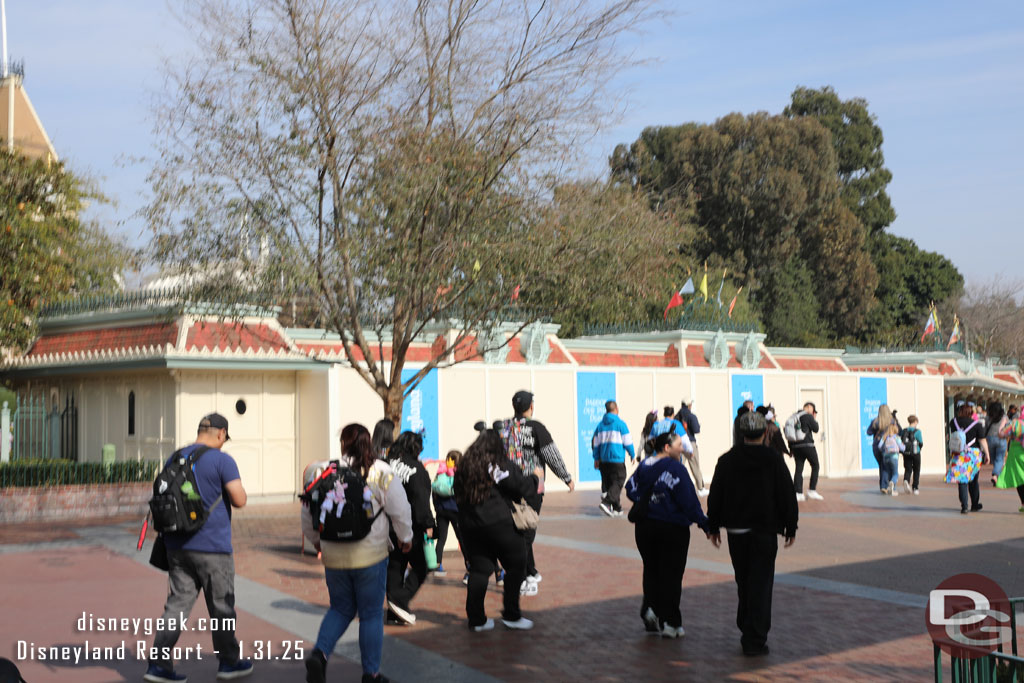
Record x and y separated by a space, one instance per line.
402 586
804 451
486 483
752 498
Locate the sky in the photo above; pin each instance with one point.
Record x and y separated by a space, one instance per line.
944 79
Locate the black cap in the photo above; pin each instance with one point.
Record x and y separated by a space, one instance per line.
215 421
521 401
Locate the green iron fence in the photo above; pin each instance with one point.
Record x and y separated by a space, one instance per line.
42 432
991 667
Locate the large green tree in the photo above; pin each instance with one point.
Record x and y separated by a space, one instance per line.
909 278
47 251
762 194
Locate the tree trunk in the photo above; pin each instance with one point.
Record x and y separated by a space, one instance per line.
393 399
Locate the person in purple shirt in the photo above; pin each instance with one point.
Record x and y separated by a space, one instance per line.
204 559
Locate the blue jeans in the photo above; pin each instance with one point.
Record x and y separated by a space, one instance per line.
889 467
355 591
997 449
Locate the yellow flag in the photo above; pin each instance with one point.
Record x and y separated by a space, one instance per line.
704 286
476 266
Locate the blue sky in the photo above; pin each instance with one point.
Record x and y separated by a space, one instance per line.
945 79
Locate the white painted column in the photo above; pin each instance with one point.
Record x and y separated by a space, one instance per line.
5 433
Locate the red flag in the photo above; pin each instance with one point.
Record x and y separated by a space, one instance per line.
677 297
929 327
515 293
733 303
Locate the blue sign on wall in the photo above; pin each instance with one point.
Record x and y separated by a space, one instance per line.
747 388
873 393
592 390
419 412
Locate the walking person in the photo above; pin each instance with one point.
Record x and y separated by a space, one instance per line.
737 438
529 445
879 424
204 559
891 446
689 420
913 442
997 445
446 510
752 498
356 571
773 438
804 451
647 449
1012 474
383 437
404 458
968 450
665 504
486 484
610 445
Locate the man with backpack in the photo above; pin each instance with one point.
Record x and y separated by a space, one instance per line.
202 557
692 424
528 443
799 431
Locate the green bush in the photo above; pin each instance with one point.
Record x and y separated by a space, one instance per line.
68 472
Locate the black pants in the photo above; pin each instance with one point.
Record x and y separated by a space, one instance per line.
753 562
912 466
663 547
1020 493
802 454
613 476
529 536
443 518
402 587
484 546
973 489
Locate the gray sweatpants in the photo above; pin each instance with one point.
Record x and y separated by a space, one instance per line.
189 571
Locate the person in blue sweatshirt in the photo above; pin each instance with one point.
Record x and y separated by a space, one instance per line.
665 504
611 443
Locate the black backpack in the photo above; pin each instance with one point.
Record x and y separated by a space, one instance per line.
340 504
176 505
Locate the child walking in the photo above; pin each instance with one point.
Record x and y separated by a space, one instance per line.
891 447
913 443
445 509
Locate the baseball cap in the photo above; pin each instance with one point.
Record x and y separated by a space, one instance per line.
752 423
215 421
521 401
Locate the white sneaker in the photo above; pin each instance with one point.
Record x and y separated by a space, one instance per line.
534 578
892 488
895 493
906 486
521 624
403 614
486 626
651 622
800 497
703 493
814 495
528 588
607 509
916 492
672 632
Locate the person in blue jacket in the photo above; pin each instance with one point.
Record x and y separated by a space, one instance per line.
665 504
611 443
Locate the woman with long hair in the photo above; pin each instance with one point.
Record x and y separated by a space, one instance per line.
878 426
773 437
383 437
997 445
356 572
404 458
486 484
647 449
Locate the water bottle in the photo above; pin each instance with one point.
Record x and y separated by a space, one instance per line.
429 552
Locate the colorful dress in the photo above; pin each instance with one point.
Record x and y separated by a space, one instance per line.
1012 475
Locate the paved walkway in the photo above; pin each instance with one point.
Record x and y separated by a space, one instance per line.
849 597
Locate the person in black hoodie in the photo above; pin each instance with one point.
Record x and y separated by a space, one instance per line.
665 505
752 497
404 458
486 482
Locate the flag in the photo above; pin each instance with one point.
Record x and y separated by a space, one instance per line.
731 305
704 285
718 297
677 297
476 266
929 327
515 293
955 337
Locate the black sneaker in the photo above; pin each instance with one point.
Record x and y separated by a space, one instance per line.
976 508
963 511
376 678
316 667
756 652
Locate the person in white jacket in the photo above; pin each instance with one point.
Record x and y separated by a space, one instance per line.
356 571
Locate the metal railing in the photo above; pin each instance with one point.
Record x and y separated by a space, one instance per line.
41 433
991 667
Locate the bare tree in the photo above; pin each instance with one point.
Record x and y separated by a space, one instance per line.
993 318
399 159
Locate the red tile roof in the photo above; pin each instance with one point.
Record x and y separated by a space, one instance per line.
109 339
810 364
624 360
229 336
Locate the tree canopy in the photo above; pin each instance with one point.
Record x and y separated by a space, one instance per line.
47 251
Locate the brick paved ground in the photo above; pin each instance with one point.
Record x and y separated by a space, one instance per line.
587 626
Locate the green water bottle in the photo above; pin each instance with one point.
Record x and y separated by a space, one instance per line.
429 552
